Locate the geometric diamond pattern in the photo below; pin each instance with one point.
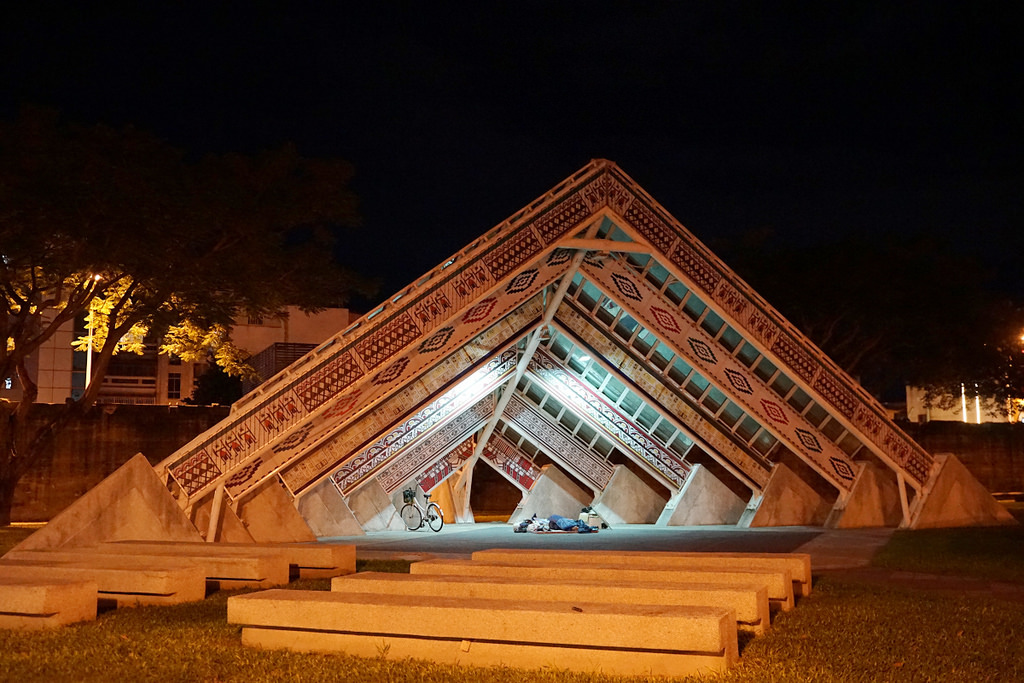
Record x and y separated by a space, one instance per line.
703 351
738 381
327 381
196 472
774 411
437 340
665 319
809 441
627 287
842 469
521 282
392 372
480 311
388 340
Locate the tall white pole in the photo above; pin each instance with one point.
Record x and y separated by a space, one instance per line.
88 360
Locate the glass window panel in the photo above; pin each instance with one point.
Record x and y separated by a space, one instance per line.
799 399
647 417
694 307
630 403
833 430
765 369
662 356
613 389
748 354
714 400
535 394
850 444
681 443
815 414
511 434
569 420
595 375
606 312
664 431
730 339
625 326
731 413
644 340
577 280
764 442
638 260
618 235
747 428
782 385
696 386
712 323
552 407
588 295
602 446
585 433
560 347
657 274
680 371
676 292
528 448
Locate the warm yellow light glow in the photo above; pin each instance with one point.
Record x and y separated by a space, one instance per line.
963 402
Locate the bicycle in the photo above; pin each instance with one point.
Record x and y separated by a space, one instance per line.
415 516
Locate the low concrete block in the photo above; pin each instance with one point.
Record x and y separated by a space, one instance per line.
750 603
798 564
778 584
225 572
307 560
115 582
704 499
586 637
29 604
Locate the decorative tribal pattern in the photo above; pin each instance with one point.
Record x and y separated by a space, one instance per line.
696 347
428 449
557 444
388 339
438 412
512 462
445 467
695 424
195 473
596 410
716 282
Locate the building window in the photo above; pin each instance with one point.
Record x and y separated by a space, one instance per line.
255 319
173 385
8 383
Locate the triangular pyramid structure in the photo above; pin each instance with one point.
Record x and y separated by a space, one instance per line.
593 352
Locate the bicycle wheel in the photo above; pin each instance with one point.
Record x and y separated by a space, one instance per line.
435 517
412 516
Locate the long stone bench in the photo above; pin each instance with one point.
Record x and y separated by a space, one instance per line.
34 603
750 602
117 581
220 571
778 584
307 560
584 636
798 564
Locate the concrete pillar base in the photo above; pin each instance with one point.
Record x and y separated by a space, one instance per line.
326 513
373 509
628 500
230 528
704 499
955 498
787 500
552 494
130 504
873 502
270 515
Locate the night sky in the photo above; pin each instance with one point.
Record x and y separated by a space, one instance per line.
817 121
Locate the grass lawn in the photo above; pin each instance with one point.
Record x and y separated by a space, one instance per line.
844 631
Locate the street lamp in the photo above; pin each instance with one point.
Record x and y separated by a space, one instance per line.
88 353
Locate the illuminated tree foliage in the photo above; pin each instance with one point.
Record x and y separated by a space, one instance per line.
121 228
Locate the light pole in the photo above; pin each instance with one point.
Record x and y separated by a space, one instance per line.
88 353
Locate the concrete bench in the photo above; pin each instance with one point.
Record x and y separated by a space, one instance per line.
117 581
585 636
29 604
307 560
778 584
750 603
798 564
220 571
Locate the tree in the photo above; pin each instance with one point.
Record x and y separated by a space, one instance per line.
120 227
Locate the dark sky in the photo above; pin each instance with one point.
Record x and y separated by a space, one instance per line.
817 120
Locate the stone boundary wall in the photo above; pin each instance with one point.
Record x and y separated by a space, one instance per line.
111 435
92 448
994 453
